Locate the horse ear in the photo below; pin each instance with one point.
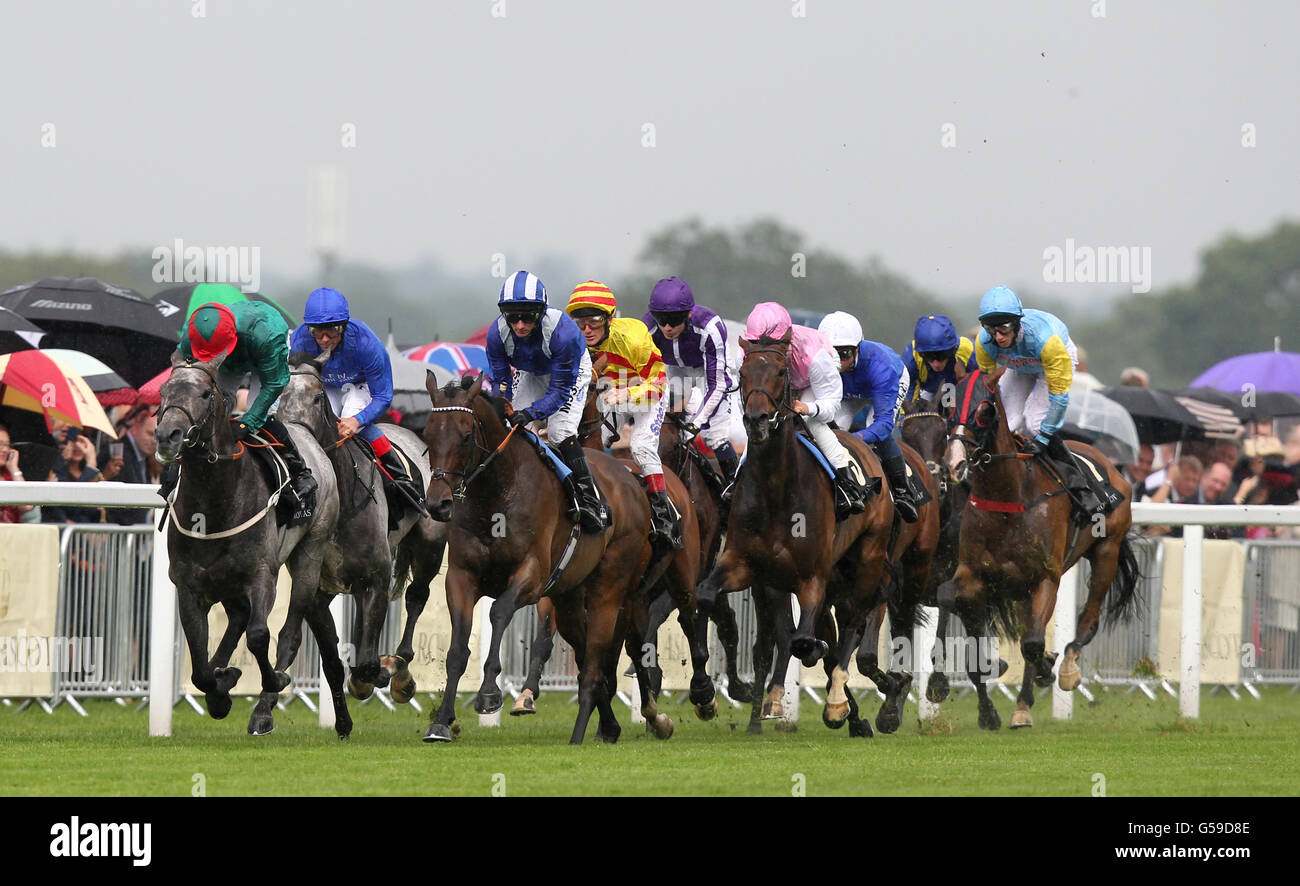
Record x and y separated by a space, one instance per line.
994 377
431 384
744 344
215 363
789 334
178 359
476 387
321 360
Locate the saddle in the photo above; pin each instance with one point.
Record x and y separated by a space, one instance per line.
550 457
269 453
1080 472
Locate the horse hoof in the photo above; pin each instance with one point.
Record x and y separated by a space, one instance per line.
819 649
773 710
437 732
707 712
608 737
1070 678
226 678
260 724
834 715
754 728
343 726
402 688
887 720
360 691
860 729
702 692
740 691
1021 718
218 705
524 704
989 719
488 702
936 690
382 678
661 726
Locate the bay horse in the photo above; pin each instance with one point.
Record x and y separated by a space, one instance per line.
509 535
1018 539
224 546
782 538
366 547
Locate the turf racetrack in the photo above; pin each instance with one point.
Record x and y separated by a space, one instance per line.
1138 746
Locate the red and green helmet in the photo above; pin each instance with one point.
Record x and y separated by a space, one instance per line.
212 331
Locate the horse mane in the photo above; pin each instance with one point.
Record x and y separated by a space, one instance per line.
453 387
298 358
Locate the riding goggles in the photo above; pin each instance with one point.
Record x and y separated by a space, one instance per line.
669 319
847 352
1000 329
513 317
326 328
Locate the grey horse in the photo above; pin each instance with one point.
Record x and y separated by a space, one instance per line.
225 547
367 549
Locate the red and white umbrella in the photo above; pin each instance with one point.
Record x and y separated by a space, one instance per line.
36 382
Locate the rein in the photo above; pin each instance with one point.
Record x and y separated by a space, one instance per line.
440 474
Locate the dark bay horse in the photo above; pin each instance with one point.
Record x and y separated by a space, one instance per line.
782 537
367 548
225 548
508 532
1018 539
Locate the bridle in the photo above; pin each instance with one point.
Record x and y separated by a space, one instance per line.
782 407
978 454
194 437
935 468
480 449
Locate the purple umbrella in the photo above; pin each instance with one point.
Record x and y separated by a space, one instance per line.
1263 371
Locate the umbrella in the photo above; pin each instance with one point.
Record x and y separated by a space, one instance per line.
1103 422
36 382
117 325
17 333
461 358
1157 415
178 303
1220 413
109 387
1262 371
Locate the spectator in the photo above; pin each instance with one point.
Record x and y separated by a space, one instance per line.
9 470
136 464
1135 377
1138 472
75 465
1181 485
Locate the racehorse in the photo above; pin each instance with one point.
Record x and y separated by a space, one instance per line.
782 537
510 536
1018 539
366 546
224 546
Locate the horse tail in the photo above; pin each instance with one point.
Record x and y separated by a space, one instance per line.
1002 616
403 564
1123 600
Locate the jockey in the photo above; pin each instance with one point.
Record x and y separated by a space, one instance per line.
1036 346
936 357
254 338
358 378
814 376
873 377
549 383
693 342
632 383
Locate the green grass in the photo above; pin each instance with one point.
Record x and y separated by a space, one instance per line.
1141 747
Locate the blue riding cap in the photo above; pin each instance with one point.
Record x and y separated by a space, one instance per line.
1000 300
934 333
524 290
325 306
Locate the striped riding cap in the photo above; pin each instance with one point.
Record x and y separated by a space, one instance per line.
590 298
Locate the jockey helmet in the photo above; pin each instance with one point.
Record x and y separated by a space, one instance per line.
934 334
325 307
1000 305
767 319
522 291
671 295
842 329
212 331
592 299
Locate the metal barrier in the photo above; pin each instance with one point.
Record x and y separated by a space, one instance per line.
1271 612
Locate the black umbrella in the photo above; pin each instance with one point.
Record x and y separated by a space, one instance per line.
17 333
1217 411
115 324
1158 416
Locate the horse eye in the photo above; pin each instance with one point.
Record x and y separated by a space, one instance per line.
207 395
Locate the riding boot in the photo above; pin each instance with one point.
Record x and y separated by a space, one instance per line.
408 491
850 495
896 472
592 512
664 522
171 475
301 480
1076 480
727 460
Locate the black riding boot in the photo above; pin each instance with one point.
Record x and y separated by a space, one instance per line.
728 461
301 480
850 495
591 509
663 520
408 491
1091 500
896 473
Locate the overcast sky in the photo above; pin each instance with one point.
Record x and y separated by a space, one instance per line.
524 134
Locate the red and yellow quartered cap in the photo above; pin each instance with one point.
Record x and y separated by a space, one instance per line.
592 295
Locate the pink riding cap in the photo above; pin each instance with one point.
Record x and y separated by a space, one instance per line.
770 319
